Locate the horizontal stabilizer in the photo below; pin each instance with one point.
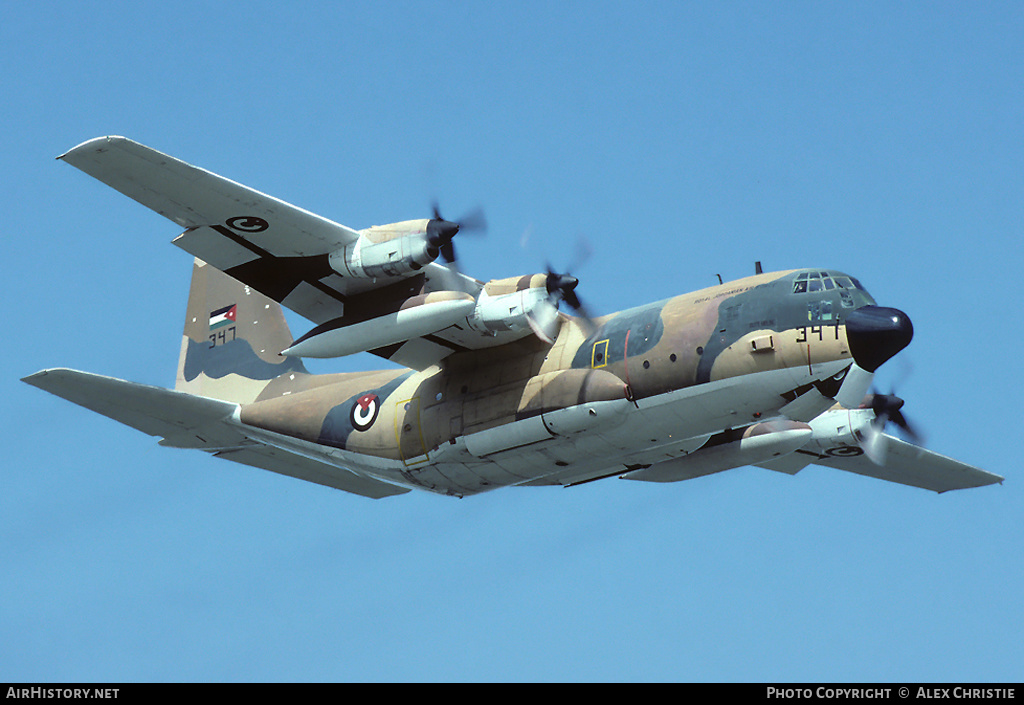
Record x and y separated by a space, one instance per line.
183 420
189 421
912 465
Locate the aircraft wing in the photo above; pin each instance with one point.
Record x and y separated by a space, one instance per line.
276 248
195 198
906 464
190 421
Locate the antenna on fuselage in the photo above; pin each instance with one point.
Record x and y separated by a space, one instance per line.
757 268
719 278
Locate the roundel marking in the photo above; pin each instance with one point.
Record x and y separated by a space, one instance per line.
844 451
247 224
364 411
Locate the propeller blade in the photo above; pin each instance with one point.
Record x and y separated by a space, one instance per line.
584 251
448 252
908 429
562 287
887 408
855 387
874 444
473 222
573 300
441 232
544 322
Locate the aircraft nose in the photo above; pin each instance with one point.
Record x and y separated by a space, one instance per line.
876 333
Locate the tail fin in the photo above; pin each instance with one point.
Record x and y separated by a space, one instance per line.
232 338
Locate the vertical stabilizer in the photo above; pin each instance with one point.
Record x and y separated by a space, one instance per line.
232 340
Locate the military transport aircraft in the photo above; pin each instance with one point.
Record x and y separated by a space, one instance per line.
497 386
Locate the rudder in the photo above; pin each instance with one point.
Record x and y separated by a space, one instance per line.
232 339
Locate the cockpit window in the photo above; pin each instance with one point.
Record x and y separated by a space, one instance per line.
807 282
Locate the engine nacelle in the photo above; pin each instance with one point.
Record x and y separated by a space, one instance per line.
516 305
394 250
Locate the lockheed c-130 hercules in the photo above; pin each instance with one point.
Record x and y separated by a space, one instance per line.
496 385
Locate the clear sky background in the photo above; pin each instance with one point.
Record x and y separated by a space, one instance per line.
683 140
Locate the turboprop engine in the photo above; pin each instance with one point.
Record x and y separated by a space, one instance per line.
520 304
394 250
514 305
402 249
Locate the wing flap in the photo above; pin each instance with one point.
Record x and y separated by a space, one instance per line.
908 464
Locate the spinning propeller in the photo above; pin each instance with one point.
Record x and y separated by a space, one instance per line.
887 408
875 334
561 286
441 232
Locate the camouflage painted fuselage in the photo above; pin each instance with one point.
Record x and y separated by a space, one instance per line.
497 388
645 385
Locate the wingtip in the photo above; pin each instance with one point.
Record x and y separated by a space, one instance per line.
88 144
34 377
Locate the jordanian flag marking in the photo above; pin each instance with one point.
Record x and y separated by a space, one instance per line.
223 316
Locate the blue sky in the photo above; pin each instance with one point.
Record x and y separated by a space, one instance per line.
683 140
